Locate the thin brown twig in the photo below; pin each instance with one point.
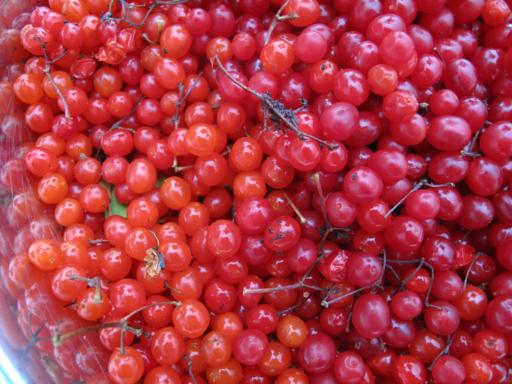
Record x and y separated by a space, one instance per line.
295 209
47 71
326 303
118 123
445 350
285 311
411 275
125 6
404 262
57 339
393 272
429 290
277 18
133 313
189 370
287 116
159 30
183 97
468 272
297 285
417 187
34 339
320 191
420 184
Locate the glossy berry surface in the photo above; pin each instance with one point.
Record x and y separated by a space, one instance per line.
257 191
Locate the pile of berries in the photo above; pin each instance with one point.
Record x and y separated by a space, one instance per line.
257 191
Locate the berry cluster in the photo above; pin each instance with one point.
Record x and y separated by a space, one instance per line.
257 191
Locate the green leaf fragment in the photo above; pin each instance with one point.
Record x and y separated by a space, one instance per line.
115 207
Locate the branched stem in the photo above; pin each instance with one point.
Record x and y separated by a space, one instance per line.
393 271
420 184
287 116
125 7
34 339
326 303
93 282
57 339
417 187
277 18
183 97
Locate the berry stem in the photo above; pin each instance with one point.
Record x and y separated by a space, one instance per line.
349 321
287 116
47 72
411 275
98 241
183 168
445 350
429 290
468 272
91 282
301 217
393 271
320 191
289 309
417 187
133 313
34 339
277 17
159 30
58 339
183 97
420 184
125 6
118 123
423 108
238 83
442 185
51 368
473 141
110 9
413 261
299 284
470 154
327 303
189 370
